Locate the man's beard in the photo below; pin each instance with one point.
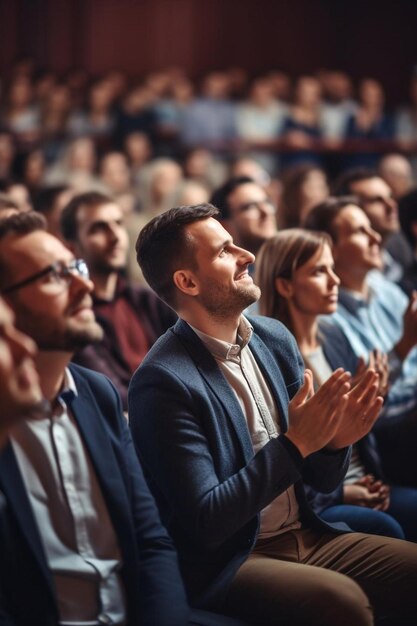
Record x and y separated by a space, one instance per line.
65 335
223 302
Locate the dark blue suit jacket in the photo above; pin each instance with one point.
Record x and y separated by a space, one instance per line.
154 591
192 436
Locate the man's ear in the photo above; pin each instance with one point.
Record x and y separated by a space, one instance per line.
284 288
184 281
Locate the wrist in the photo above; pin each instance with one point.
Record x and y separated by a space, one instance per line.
402 348
298 445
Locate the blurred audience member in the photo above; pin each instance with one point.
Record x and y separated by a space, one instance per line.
406 124
370 121
303 186
132 317
246 212
29 169
302 125
338 105
97 119
396 170
192 193
50 201
116 177
377 200
19 193
209 120
408 220
160 184
21 116
136 114
76 167
259 121
138 150
200 164
55 112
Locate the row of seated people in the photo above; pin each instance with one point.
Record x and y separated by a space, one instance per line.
220 416
46 110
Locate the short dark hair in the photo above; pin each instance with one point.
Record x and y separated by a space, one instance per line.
44 200
321 217
91 200
18 224
162 247
343 185
407 210
220 197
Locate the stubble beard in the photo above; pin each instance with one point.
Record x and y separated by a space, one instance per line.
222 303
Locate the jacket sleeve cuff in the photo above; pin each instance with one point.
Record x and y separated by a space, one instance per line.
292 450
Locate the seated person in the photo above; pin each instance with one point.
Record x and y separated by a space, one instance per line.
19 383
408 220
132 317
295 271
374 313
228 425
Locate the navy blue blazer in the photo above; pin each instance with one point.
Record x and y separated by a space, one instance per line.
192 437
154 590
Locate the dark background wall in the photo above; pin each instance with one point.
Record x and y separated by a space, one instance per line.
363 37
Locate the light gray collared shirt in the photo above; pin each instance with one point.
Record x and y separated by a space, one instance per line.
243 374
79 541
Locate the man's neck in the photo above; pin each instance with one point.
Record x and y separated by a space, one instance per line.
353 282
51 368
223 329
105 285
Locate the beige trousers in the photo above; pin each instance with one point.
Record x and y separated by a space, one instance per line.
306 578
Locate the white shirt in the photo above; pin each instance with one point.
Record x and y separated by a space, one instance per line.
243 374
79 541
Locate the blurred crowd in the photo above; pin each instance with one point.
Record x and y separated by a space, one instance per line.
167 139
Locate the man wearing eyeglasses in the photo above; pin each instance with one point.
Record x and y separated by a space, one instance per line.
377 200
86 541
246 212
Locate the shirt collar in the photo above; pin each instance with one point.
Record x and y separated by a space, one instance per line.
68 391
223 349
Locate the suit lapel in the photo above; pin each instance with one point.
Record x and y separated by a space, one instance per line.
15 491
214 378
273 376
89 419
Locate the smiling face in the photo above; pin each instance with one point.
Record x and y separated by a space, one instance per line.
357 247
314 287
378 203
252 216
19 383
57 316
221 281
102 239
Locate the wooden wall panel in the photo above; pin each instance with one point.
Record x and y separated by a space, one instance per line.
137 36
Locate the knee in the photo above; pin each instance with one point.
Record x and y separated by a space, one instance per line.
341 602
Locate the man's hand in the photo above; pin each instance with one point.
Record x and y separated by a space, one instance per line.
367 492
360 412
314 418
409 336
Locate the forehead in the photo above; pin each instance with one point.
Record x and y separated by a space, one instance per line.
207 234
350 218
108 212
322 256
371 187
33 252
248 192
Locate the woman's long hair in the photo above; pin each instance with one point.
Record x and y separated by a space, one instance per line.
280 257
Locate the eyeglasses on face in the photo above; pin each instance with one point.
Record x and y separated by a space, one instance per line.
59 274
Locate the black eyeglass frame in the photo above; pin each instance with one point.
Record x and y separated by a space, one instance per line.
59 266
